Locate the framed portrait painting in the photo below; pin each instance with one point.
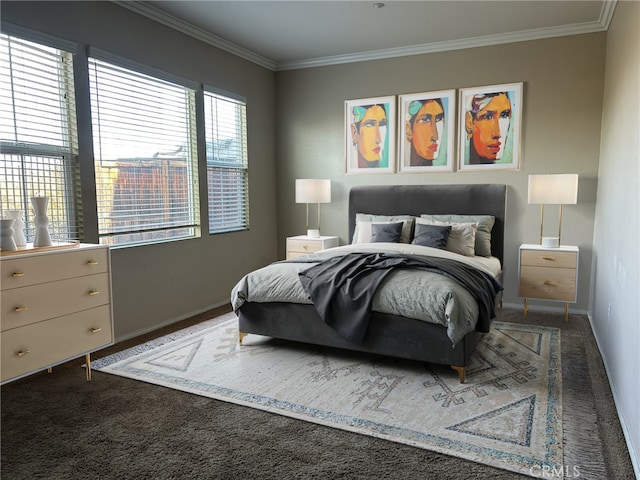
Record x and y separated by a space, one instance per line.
370 135
427 123
489 127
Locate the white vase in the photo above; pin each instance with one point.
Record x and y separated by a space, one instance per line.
42 237
6 234
18 227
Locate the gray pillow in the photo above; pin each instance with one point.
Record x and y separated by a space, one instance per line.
386 232
362 232
483 233
431 235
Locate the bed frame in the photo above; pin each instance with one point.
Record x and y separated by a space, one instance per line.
391 335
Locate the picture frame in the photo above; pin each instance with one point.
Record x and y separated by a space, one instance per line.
427 129
370 129
490 122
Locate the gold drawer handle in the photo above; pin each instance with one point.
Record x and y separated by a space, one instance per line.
22 353
553 259
94 292
92 263
20 308
17 274
306 247
95 330
549 283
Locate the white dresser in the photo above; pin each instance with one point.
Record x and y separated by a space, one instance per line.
55 306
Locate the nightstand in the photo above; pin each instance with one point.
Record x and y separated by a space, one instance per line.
303 245
548 274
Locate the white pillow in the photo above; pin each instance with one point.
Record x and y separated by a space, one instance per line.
483 234
462 238
362 232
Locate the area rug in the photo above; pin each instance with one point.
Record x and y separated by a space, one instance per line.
508 414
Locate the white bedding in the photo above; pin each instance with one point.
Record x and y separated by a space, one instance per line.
411 293
491 265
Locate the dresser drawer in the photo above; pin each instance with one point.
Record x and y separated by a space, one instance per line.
22 306
548 283
40 345
549 258
47 267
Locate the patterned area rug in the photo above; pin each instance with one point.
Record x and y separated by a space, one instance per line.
508 414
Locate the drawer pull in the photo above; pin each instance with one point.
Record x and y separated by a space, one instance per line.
95 330
92 263
94 292
17 274
549 283
553 259
306 247
20 308
22 353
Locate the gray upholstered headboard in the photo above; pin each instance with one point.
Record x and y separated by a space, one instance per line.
474 199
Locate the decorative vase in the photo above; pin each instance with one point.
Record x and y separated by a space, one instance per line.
42 237
18 227
6 234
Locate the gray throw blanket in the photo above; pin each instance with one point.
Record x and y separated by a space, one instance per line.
342 288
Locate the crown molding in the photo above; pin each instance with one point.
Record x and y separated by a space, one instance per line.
474 42
175 23
153 13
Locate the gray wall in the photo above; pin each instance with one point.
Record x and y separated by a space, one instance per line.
616 279
563 84
160 284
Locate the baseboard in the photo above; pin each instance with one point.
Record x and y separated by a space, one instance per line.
635 459
168 322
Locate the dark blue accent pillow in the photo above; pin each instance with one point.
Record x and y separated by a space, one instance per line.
386 232
431 235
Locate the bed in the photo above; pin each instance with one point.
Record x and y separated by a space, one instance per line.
393 328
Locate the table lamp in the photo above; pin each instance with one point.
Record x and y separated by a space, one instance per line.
312 190
557 189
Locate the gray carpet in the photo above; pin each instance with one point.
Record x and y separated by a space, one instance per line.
58 426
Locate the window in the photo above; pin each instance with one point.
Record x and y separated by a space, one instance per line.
144 136
227 165
38 140
145 157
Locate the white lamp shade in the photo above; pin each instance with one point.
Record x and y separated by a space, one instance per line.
313 190
557 189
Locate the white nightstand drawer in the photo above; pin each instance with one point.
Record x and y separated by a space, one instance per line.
554 259
303 245
548 283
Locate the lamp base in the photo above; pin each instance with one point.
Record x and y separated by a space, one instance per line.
550 242
313 233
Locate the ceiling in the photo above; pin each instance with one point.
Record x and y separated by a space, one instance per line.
282 35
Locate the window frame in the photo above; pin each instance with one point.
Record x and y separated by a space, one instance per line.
189 229
56 165
239 166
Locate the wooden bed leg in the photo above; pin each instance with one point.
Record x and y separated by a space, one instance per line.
241 335
460 371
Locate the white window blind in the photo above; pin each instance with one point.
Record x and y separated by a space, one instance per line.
38 138
145 156
227 163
